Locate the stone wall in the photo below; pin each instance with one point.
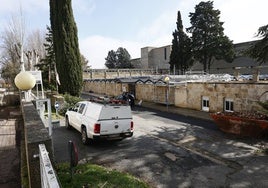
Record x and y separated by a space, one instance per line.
245 95
35 133
155 93
115 73
180 96
106 88
145 92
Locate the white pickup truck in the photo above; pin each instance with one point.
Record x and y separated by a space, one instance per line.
96 121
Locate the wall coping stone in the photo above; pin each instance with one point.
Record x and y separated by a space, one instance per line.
36 131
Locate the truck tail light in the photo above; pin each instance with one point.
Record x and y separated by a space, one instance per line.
131 125
96 128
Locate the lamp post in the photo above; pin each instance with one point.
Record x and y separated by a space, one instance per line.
25 81
167 89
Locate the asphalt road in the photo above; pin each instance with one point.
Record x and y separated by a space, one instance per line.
169 150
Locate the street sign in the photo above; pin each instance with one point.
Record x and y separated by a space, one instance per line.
57 105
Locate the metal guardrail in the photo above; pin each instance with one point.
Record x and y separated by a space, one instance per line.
48 176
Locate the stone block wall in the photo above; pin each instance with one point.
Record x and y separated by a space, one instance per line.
35 133
115 73
106 88
245 95
145 92
180 96
155 93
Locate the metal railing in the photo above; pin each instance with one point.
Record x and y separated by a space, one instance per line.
48 176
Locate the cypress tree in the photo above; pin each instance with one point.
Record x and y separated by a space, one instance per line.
174 58
180 56
66 48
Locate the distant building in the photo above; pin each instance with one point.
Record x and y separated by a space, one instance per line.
136 63
158 59
154 58
242 64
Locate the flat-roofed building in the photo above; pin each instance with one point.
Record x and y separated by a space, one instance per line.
158 58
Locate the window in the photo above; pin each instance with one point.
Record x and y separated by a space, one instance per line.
82 106
229 105
205 103
165 53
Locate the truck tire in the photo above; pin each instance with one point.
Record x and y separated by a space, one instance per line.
85 139
67 123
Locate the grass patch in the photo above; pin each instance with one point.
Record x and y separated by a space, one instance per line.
90 175
54 116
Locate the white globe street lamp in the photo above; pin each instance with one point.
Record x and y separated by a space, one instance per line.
25 81
166 79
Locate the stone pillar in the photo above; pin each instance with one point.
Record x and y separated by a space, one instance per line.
91 74
256 75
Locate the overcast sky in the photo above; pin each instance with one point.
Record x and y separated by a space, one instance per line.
105 25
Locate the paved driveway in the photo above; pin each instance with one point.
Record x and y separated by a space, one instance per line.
169 150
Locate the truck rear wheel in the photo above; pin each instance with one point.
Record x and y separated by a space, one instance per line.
85 139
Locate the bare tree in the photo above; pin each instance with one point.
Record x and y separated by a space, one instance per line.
12 42
35 48
15 49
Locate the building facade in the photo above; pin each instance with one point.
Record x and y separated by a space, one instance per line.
158 59
154 58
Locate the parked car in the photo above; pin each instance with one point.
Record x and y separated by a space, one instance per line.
111 121
246 77
263 77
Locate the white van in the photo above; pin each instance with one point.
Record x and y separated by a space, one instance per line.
97 121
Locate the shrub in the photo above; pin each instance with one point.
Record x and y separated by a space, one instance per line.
69 101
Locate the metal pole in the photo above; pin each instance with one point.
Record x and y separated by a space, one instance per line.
167 96
167 90
49 117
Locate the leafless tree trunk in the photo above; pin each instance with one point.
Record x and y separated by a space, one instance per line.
14 47
35 46
12 41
